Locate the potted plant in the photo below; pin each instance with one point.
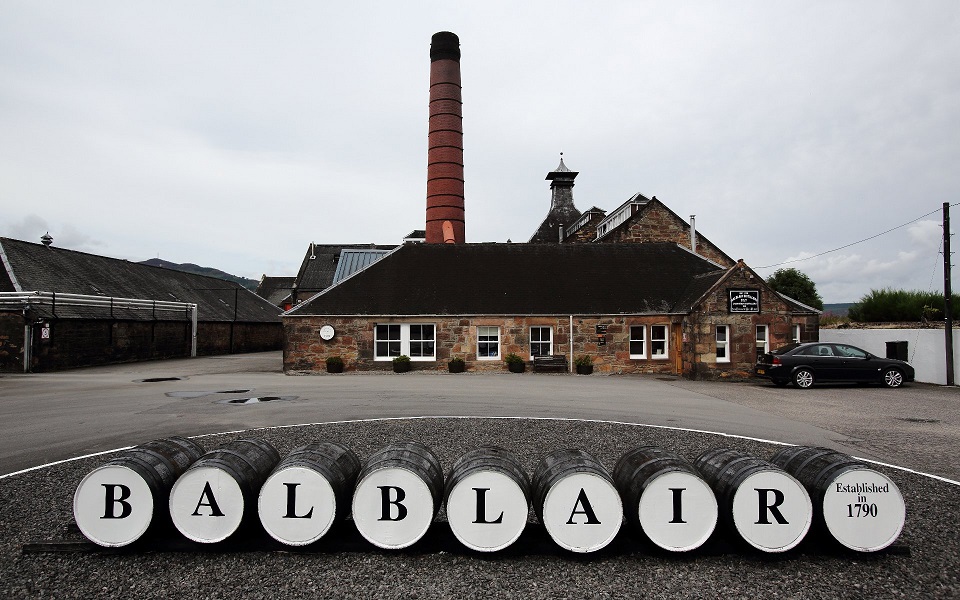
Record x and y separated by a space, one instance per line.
401 364
456 365
584 364
515 363
334 364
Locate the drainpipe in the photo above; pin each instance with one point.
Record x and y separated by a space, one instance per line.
571 344
27 347
193 332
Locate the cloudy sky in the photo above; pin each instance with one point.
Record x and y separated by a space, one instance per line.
234 134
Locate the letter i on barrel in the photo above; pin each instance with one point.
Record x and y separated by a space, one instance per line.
307 492
218 493
764 504
116 503
665 498
488 498
576 500
398 494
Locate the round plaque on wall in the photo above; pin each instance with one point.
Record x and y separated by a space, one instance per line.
326 333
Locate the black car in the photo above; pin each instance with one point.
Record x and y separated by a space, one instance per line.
804 364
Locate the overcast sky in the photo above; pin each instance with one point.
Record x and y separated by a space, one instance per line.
233 134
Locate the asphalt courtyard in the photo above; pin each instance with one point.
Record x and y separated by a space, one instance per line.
56 416
49 422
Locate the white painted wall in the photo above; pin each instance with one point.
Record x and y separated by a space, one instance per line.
926 349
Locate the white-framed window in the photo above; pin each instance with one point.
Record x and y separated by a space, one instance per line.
541 341
796 334
659 345
723 343
488 342
763 340
416 340
638 341
386 342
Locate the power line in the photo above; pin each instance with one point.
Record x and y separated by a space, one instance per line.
787 262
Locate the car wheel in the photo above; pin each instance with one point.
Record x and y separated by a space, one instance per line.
780 382
892 378
803 378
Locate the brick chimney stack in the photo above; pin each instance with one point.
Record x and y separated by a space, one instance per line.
445 214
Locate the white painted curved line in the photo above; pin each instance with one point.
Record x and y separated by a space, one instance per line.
425 417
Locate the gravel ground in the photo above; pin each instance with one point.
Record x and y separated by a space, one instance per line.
924 562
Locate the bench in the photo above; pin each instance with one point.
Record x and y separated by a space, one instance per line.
550 363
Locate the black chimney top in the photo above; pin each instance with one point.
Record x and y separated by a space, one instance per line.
444 45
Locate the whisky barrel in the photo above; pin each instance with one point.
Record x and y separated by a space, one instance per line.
665 498
487 497
116 503
210 501
761 502
398 493
858 506
308 491
576 500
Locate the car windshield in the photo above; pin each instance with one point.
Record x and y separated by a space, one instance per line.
785 349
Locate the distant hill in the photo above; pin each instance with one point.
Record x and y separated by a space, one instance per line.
840 308
250 284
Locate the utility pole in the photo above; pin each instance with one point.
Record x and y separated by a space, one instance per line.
947 293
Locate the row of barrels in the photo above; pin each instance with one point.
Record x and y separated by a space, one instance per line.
395 495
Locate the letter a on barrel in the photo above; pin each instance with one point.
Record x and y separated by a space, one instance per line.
210 501
577 501
487 499
397 496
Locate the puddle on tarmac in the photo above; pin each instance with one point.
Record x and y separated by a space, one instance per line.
200 394
257 400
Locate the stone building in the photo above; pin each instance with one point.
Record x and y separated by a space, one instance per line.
653 307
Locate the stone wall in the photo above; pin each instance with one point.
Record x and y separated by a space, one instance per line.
89 342
305 351
11 342
656 223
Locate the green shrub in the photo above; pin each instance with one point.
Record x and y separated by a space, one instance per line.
403 358
583 360
512 358
888 305
334 361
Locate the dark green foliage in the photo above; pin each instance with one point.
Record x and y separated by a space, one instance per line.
797 285
901 305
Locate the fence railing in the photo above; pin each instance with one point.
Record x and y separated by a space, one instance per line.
22 300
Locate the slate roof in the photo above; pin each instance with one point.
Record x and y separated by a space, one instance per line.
316 273
275 289
522 279
35 267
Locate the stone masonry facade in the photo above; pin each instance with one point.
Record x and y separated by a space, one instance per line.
656 223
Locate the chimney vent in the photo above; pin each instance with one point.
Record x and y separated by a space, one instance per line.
46 239
693 233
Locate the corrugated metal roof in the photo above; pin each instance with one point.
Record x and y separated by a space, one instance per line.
352 261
